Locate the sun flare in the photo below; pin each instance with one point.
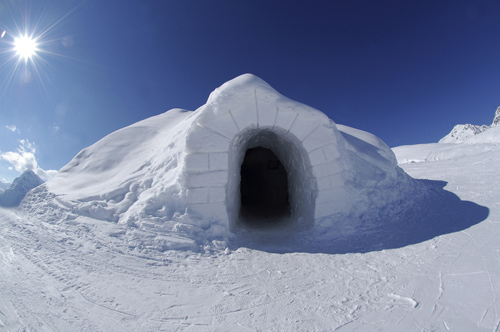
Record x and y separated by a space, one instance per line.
25 47
29 41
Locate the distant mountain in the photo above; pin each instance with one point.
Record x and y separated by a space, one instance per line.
462 132
15 193
3 186
496 120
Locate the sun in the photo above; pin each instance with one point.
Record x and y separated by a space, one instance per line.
25 47
29 41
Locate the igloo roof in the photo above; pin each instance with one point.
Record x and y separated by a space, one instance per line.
180 171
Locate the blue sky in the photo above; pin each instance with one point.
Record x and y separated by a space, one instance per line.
406 71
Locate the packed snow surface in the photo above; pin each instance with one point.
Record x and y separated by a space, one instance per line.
178 174
435 267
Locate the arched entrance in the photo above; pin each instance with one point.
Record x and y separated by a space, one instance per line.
269 180
263 187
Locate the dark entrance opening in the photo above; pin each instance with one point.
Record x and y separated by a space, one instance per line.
263 187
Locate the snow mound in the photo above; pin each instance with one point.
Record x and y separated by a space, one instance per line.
14 194
190 178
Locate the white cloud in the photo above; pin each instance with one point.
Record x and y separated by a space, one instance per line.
13 128
24 159
21 160
45 175
27 145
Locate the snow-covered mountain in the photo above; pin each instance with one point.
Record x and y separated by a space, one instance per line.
462 132
496 119
16 191
3 186
472 141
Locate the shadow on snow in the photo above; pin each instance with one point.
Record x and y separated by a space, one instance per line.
439 212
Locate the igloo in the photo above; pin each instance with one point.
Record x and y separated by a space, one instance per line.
242 116
249 156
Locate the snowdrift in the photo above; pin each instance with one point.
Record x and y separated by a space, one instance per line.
248 158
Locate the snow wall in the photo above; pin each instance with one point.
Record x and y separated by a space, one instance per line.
179 172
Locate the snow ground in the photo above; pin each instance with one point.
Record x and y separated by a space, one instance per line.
437 268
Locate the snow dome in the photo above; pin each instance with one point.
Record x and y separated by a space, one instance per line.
249 157
243 137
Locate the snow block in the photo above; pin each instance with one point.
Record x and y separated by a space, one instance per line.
325 169
223 125
244 117
331 152
320 137
266 110
206 140
330 181
197 195
317 157
216 194
209 211
205 195
285 118
196 162
218 161
206 179
303 126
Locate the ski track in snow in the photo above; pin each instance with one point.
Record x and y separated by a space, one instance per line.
81 276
